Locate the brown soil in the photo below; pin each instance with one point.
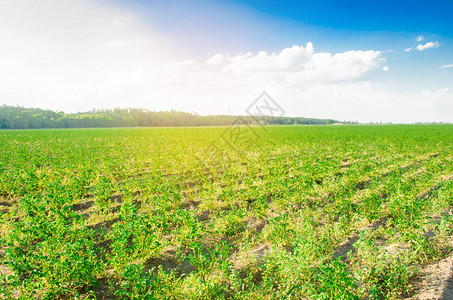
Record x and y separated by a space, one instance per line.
434 281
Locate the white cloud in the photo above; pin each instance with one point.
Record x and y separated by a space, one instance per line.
300 65
420 38
288 60
427 46
217 59
436 94
422 47
447 66
347 66
385 68
365 101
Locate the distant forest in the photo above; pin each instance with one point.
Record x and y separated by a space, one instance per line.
16 117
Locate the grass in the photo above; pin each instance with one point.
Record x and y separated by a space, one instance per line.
312 212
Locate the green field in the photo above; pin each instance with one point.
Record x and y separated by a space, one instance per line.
294 212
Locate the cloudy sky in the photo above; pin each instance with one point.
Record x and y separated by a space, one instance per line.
380 61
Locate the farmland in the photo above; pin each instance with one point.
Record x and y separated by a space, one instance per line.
317 212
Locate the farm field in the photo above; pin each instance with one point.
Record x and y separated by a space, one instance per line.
283 212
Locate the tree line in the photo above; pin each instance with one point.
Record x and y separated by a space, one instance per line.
17 117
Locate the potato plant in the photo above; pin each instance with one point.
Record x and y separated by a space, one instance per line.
301 212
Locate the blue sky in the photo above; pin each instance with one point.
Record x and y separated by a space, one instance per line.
348 60
333 26
364 23
401 16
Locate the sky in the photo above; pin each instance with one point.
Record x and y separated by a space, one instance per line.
366 61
